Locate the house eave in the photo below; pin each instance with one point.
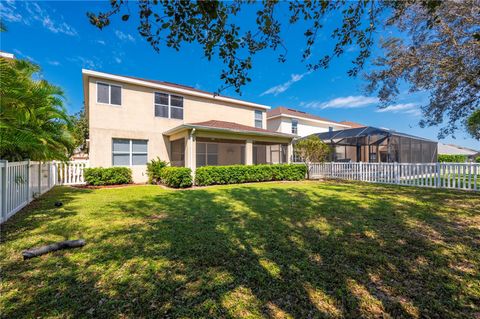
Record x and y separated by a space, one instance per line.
174 89
224 130
307 119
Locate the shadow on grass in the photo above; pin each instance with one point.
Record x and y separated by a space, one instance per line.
342 250
42 211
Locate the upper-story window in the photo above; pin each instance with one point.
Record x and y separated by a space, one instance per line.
109 93
258 119
168 106
330 128
294 126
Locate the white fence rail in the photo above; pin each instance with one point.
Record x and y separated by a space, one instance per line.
21 182
465 176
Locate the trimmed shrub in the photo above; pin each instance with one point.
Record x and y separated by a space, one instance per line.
235 174
99 176
154 169
477 159
451 158
177 177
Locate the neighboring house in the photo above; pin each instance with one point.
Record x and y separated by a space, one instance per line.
286 120
372 144
352 124
133 120
7 55
451 149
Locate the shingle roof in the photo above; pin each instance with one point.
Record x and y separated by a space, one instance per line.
231 126
353 124
234 126
180 86
284 110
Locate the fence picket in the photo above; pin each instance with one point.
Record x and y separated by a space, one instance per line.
19 181
437 175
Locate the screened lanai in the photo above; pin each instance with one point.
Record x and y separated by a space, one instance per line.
215 143
371 144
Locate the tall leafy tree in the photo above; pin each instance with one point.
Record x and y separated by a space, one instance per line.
80 130
446 33
439 56
473 124
34 123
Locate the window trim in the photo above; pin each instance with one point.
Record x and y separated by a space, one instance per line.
296 126
255 118
110 93
130 151
169 106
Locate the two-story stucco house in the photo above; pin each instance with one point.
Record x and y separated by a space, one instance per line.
133 120
286 120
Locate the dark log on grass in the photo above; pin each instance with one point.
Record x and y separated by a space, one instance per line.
35 252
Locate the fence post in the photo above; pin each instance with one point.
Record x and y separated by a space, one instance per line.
49 165
437 175
28 181
39 178
4 182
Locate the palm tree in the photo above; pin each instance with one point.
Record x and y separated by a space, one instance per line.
34 123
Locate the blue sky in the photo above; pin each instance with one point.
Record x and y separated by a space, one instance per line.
58 37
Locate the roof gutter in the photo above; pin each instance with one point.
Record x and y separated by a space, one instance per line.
223 130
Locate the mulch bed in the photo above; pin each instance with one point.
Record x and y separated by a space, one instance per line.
107 186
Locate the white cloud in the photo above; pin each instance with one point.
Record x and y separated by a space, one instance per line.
85 62
277 89
118 60
41 15
100 42
407 108
7 12
53 62
124 36
24 56
346 102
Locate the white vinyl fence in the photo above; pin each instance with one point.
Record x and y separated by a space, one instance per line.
465 176
21 182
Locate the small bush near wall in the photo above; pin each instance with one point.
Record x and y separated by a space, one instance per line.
451 158
99 176
477 159
177 177
212 175
154 169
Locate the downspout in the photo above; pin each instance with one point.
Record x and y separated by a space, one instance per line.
192 133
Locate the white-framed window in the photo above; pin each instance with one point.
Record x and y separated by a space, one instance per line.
207 154
127 152
168 105
258 119
294 126
109 93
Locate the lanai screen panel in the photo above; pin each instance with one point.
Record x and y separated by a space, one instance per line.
370 144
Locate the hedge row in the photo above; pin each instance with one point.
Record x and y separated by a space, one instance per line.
154 170
99 176
451 158
176 177
235 174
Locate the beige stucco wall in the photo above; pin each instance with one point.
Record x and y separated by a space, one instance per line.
135 119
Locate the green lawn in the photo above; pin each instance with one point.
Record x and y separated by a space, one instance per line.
274 250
